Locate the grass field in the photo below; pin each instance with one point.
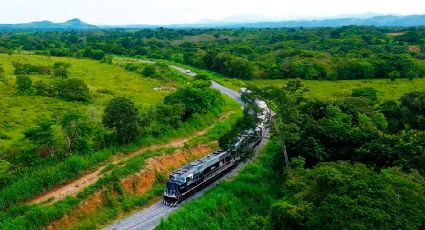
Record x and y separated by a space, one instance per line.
326 90
104 81
330 90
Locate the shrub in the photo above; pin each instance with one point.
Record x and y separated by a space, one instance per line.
73 89
23 84
60 69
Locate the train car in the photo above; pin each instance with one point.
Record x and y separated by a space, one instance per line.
196 175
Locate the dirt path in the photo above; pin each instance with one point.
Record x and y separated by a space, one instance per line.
74 187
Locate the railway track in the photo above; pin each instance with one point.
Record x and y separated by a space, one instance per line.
150 217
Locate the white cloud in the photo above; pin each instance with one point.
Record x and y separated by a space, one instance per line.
187 11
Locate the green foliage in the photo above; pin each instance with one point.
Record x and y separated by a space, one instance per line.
369 93
149 70
107 59
77 131
413 107
28 69
345 196
60 69
23 84
2 78
73 89
394 116
121 116
197 99
42 136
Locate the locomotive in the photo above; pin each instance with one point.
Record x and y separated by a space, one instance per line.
198 174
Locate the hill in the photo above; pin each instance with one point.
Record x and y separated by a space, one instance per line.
19 112
381 21
73 24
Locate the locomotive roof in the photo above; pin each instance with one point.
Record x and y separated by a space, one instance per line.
189 168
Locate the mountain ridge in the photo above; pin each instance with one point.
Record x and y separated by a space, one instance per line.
382 21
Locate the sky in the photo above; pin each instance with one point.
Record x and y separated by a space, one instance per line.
160 12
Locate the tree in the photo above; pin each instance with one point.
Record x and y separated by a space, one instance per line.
76 130
394 116
413 107
23 84
121 115
196 100
42 136
73 89
2 77
341 195
369 93
394 75
107 59
354 69
149 70
60 69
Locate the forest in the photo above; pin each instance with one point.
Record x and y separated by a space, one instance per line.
350 52
354 164
73 102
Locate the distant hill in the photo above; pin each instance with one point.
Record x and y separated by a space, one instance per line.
388 21
73 24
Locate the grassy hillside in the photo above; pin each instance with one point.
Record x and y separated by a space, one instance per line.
104 81
337 89
327 90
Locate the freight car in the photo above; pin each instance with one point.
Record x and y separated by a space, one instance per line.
196 175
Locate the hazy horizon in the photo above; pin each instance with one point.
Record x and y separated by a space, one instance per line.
161 12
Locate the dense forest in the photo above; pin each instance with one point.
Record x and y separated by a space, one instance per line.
318 53
354 164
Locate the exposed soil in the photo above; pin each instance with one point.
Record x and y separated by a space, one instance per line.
136 184
74 187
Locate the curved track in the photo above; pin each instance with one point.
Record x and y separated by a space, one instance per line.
150 217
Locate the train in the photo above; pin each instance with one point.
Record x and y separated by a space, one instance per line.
195 176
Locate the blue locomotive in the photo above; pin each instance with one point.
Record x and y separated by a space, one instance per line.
198 174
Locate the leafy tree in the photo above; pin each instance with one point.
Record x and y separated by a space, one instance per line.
354 69
394 116
23 84
107 59
60 69
394 75
196 100
73 89
2 75
149 70
369 93
76 130
121 115
339 195
42 136
413 107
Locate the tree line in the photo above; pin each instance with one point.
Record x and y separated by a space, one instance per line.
350 52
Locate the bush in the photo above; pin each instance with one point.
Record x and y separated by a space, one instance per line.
60 69
73 89
196 100
369 93
23 85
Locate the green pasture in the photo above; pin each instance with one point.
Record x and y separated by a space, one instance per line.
104 81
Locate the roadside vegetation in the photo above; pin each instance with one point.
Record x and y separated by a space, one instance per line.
81 128
355 163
